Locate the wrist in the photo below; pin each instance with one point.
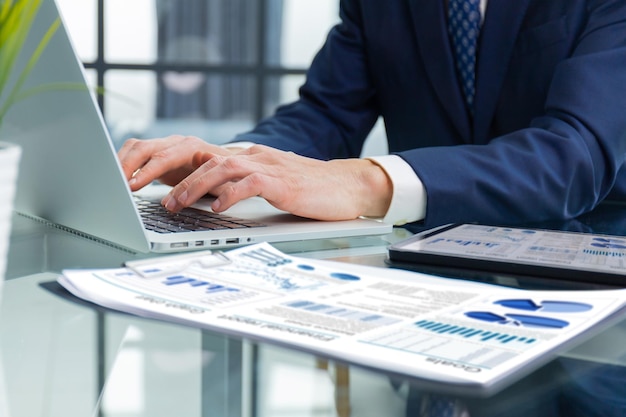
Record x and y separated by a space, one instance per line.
376 189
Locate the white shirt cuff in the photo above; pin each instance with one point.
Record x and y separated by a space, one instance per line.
240 145
408 202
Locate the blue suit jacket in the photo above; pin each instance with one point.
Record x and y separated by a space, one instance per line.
548 137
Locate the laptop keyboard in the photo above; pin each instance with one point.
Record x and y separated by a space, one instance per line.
155 217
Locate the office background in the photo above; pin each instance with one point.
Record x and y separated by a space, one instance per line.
210 68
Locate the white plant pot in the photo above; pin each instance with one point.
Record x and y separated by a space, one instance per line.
9 165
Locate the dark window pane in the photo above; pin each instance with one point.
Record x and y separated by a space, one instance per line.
208 31
207 96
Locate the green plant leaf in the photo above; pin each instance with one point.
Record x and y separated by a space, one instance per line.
17 19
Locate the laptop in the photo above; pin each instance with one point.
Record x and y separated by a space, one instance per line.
70 175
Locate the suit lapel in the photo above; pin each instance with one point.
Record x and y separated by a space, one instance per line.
494 52
495 48
434 45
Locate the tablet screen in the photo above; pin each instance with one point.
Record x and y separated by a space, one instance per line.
541 250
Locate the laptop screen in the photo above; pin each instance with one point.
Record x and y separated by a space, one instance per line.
69 173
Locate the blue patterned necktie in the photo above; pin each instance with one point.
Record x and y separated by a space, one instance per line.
439 406
463 27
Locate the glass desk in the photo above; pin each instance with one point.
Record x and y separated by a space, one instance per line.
62 357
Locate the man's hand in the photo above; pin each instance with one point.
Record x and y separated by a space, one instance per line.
168 160
325 190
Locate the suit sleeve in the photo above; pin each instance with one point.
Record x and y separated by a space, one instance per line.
560 166
336 109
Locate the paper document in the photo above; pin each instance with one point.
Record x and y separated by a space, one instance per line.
439 330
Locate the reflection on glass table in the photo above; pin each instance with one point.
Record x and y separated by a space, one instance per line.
63 357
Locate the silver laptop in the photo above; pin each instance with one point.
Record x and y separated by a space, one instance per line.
70 175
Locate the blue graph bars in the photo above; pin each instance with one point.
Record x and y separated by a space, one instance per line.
470 332
209 287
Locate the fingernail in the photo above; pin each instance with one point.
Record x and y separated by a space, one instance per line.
169 203
182 199
216 205
132 181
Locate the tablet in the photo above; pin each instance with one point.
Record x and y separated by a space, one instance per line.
518 251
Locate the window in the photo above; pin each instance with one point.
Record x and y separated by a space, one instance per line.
210 68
